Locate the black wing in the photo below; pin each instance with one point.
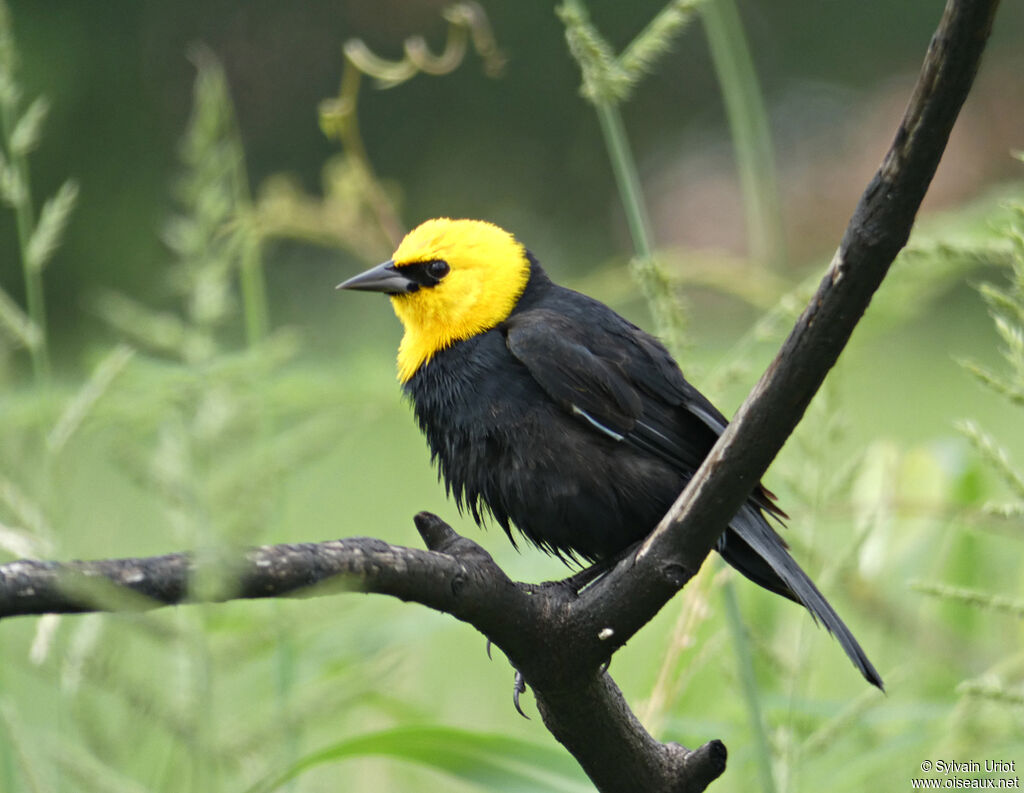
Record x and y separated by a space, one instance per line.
624 383
619 380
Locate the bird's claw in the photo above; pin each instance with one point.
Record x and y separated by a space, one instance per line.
518 687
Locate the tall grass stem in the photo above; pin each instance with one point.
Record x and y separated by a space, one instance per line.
749 128
751 698
35 295
627 179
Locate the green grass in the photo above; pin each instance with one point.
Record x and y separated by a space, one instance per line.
363 664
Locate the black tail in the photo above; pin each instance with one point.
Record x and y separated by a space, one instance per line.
756 550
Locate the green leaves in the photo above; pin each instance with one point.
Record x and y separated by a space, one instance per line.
994 454
609 78
36 240
28 129
1006 307
85 399
604 80
17 323
644 52
49 230
496 763
12 188
1001 684
972 597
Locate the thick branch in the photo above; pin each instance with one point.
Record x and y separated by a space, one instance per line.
593 714
879 228
357 564
530 623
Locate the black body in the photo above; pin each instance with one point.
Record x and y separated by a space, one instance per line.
578 427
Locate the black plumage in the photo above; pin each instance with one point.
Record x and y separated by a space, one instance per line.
578 428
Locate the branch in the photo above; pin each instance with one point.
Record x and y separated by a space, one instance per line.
358 564
879 228
530 623
557 639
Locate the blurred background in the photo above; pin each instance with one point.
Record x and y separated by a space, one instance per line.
202 385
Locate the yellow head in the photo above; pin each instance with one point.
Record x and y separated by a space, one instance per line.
448 280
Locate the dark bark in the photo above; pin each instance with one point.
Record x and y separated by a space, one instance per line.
559 640
879 228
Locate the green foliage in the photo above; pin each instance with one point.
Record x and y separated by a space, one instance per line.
1003 683
20 131
972 597
604 81
357 212
205 426
607 82
493 762
206 433
751 135
993 691
1006 307
828 474
642 54
215 238
744 662
611 79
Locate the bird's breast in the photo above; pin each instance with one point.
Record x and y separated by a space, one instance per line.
504 447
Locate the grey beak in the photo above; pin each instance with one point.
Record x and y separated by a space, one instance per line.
385 277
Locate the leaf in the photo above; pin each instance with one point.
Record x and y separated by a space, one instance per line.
53 219
655 40
603 78
33 771
160 331
23 545
18 323
88 395
26 133
497 763
972 597
12 188
992 690
994 454
26 511
994 381
1001 300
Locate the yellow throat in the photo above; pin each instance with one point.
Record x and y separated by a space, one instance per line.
489 271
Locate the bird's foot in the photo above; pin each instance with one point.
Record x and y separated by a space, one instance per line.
588 575
518 687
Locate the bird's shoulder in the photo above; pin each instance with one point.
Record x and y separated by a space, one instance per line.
573 335
617 377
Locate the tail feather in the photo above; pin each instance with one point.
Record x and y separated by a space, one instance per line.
757 551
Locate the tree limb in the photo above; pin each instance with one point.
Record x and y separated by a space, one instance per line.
879 228
560 640
357 564
529 622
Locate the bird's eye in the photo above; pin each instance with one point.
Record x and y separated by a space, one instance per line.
438 269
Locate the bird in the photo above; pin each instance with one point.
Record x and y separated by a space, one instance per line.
549 412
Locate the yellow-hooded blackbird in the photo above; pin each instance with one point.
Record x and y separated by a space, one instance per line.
546 409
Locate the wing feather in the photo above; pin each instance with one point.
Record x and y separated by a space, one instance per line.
620 381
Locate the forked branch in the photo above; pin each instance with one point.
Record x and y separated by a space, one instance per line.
560 640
